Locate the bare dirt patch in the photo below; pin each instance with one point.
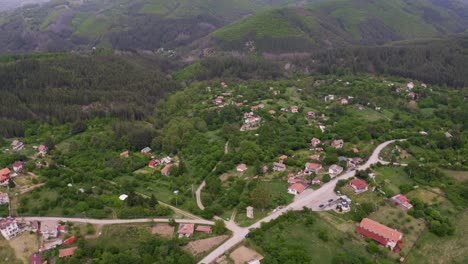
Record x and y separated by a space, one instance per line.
244 254
164 230
198 247
25 245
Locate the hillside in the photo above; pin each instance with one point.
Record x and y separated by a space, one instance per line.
340 23
62 25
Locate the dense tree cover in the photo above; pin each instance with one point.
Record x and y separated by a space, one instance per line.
437 223
147 249
72 88
442 62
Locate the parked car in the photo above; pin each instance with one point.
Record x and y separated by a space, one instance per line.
321 206
331 200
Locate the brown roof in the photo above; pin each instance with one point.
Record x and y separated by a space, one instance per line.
280 165
5 171
166 169
359 184
381 230
314 166
299 187
67 252
242 166
203 229
186 228
283 157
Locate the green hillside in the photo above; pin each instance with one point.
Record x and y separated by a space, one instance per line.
341 22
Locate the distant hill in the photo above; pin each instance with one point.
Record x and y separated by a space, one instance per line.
192 25
61 25
340 23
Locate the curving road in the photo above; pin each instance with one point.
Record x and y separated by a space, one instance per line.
308 198
117 221
198 196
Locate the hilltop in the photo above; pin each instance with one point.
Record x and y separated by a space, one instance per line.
336 24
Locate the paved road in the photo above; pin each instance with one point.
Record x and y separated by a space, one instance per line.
198 195
117 221
308 198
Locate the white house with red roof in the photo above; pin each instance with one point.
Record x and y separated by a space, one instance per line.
186 230
166 171
315 142
153 163
294 109
241 167
402 201
312 167
382 234
18 166
311 114
297 188
337 144
204 229
4 198
42 149
358 185
4 176
279 166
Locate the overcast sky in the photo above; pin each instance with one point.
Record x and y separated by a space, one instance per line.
9 4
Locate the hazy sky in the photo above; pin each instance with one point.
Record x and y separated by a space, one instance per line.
9 4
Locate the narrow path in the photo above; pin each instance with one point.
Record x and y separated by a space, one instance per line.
226 147
198 195
30 188
118 221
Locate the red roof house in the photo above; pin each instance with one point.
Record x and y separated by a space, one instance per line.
204 229
279 166
314 142
312 167
35 259
186 230
153 163
358 185
384 235
4 175
70 240
67 252
42 149
402 201
241 167
297 188
18 166
166 170
124 154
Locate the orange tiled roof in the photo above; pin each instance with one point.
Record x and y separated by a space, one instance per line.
381 230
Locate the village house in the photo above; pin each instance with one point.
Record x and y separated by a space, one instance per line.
124 154
166 171
17 145
249 212
316 181
315 142
358 185
256 107
410 86
448 135
153 163
218 100
272 112
223 84
67 252
355 150
186 230
294 109
311 114
402 201
50 245
337 144
146 151
329 97
315 157
9 227
312 167
35 258
413 95
166 160
279 166
69 240
204 229
34 226
344 101
4 176
18 166
382 234
49 229
42 150
4 199
252 120
335 170
282 158
241 168
297 188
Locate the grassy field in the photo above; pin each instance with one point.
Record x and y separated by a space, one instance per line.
460 176
25 245
7 254
89 25
396 218
50 19
392 177
437 250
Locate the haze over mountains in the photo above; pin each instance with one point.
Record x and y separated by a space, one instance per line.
243 25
